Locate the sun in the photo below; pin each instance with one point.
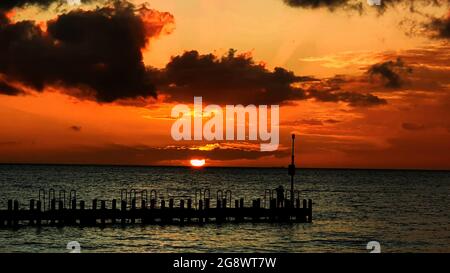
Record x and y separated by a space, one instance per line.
197 162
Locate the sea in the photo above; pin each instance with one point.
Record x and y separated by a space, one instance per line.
401 210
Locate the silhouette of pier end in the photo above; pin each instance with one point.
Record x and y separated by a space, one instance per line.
137 207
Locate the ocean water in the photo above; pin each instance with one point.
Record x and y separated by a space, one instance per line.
405 211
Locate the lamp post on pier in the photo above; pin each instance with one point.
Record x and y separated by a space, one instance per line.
291 170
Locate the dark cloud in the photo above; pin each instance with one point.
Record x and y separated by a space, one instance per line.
352 98
75 128
413 126
310 122
361 5
237 79
332 121
230 79
9 143
98 51
313 4
143 154
390 72
440 27
97 54
7 89
412 5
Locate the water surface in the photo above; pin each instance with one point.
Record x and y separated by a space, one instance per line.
406 211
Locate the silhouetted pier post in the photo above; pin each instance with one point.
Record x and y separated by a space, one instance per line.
287 203
163 208
253 209
207 206
16 209
32 211
60 213
82 215
170 210
258 206
272 208
103 212
10 208
114 210
273 203
53 209
200 211
92 220
223 209
39 211
218 210
301 212
237 210
189 208
182 210
309 211
133 210
143 209
123 211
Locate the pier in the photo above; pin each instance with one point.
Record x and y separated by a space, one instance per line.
140 206
137 207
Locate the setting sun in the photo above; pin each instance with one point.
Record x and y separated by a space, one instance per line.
197 162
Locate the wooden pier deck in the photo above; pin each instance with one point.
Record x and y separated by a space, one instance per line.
62 212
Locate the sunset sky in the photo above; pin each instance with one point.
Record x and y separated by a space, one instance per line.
94 82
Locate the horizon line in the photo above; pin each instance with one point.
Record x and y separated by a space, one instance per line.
220 167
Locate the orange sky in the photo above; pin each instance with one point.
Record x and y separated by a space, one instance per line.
411 130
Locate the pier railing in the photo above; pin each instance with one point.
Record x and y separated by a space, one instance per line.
149 207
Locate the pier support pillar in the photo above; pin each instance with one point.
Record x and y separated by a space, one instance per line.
113 210
309 211
189 207
200 211
182 211
60 212
32 212
103 211
16 210
52 209
10 208
81 216
123 211
39 211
